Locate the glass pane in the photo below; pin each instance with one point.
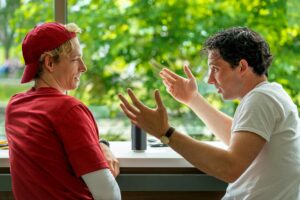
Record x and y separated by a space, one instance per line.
127 42
17 18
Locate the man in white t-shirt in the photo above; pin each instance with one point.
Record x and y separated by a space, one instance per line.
262 160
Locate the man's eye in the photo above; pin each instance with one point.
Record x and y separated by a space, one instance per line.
214 69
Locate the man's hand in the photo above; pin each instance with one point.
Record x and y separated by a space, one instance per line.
182 89
111 159
153 121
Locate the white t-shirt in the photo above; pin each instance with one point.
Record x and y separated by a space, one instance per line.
268 111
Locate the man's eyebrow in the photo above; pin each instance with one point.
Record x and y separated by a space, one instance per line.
212 63
76 55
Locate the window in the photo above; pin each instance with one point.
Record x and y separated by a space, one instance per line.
127 42
17 18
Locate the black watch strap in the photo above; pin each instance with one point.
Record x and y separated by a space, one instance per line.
104 142
169 132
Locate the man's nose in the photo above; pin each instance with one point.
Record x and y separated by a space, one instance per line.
211 78
83 67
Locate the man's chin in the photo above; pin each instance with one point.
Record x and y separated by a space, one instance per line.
74 87
226 98
77 85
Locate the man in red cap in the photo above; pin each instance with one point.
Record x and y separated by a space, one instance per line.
53 138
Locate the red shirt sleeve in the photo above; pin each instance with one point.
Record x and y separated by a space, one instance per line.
78 132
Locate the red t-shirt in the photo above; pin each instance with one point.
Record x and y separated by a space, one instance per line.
53 140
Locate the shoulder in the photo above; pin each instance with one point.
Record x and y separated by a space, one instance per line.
69 110
69 100
272 90
71 105
271 95
261 100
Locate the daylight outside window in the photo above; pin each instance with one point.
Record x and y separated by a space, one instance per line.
127 42
17 18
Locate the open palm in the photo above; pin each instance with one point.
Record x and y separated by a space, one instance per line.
153 121
182 89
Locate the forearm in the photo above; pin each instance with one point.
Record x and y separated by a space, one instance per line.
102 185
207 158
218 122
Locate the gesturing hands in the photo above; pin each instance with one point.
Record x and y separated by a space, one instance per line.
182 89
153 121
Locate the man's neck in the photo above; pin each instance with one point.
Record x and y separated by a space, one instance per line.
251 83
46 82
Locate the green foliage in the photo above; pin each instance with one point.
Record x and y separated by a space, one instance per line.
113 137
203 137
18 17
7 31
127 42
8 89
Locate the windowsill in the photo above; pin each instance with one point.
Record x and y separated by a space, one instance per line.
156 169
156 157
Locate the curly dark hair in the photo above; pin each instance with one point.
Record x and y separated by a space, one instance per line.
239 43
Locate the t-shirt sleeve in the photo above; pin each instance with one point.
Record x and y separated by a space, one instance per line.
79 135
258 114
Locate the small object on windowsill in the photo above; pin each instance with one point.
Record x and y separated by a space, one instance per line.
3 144
138 139
158 145
152 140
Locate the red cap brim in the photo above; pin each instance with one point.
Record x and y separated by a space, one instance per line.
29 72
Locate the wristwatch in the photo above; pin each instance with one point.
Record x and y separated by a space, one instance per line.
165 139
104 142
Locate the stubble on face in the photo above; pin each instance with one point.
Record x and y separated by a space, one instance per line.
224 77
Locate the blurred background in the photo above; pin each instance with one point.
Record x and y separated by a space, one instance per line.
127 42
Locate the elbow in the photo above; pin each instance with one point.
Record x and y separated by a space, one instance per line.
112 193
231 175
230 178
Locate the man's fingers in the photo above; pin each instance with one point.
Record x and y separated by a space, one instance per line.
127 112
188 72
167 84
115 166
130 111
169 73
131 116
158 100
168 77
127 105
111 167
134 100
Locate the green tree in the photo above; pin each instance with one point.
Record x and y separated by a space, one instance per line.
17 18
127 42
7 31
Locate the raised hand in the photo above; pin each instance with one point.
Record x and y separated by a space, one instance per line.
182 89
153 121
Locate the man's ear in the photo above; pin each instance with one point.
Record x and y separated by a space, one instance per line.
48 63
243 66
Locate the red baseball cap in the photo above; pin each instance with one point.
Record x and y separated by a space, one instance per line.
42 38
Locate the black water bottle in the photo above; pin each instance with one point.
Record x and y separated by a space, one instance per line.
138 138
